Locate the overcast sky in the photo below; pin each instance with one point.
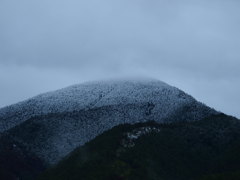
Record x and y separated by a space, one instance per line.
50 44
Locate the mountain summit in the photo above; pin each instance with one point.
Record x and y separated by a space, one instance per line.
161 100
53 124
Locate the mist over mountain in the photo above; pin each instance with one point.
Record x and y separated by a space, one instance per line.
62 118
193 45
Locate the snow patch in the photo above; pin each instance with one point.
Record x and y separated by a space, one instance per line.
131 137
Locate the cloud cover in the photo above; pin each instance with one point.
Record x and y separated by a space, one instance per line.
194 45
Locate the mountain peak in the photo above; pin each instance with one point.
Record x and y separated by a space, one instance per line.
165 98
72 116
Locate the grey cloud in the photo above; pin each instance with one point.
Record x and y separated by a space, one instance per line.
93 39
83 32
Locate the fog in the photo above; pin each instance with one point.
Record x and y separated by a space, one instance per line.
193 45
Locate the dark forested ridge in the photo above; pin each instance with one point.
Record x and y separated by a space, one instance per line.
118 129
203 150
53 124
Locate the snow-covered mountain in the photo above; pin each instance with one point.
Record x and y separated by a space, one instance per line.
53 124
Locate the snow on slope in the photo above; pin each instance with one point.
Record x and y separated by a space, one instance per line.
53 124
89 95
